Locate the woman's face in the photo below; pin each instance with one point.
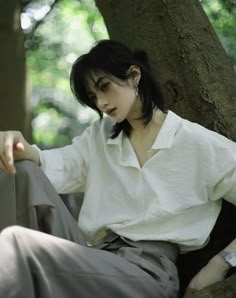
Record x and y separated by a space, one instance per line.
115 98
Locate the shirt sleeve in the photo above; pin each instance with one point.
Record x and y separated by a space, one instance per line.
222 167
67 167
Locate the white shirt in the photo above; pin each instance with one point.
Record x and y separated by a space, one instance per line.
175 196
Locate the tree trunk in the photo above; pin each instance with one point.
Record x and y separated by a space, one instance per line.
196 75
14 109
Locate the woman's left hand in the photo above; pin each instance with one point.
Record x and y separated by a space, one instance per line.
213 272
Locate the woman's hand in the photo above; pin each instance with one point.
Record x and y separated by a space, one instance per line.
13 147
213 272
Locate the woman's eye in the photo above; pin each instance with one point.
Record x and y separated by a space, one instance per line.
104 86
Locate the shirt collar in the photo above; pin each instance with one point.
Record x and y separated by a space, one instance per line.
167 132
165 136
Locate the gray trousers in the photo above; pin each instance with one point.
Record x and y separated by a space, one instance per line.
36 264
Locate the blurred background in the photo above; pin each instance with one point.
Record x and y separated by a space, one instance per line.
56 33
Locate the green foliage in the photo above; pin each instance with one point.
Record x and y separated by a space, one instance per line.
222 14
68 31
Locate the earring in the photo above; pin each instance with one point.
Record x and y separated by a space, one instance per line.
136 90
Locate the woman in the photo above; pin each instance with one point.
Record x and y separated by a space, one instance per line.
152 181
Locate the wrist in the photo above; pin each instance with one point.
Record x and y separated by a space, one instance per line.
220 264
34 155
29 153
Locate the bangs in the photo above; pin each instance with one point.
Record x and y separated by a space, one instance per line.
104 59
81 77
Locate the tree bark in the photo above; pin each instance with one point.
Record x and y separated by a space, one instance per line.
196 76
14 104
223 289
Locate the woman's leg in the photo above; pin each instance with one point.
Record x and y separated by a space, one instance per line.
34 264
28 199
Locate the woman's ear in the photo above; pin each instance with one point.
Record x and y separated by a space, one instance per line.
134 74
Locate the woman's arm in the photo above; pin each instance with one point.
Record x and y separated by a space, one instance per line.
13 146
214 271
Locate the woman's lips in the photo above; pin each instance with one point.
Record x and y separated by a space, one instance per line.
111 111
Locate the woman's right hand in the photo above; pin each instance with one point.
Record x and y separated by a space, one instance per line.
12 144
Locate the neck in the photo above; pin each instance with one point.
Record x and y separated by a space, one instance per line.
155 124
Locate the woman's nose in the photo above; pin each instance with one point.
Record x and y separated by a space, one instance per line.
101 101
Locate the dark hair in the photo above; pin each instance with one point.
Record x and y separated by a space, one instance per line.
114 58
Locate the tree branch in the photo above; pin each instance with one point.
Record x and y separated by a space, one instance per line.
35 26
25 3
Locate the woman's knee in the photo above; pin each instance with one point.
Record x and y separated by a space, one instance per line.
12 232
21 237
